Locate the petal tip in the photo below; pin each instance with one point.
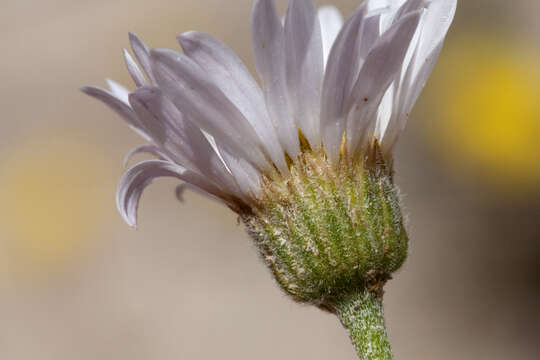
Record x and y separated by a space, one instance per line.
186 40
133 37
157 53
188 35
86 89
93 91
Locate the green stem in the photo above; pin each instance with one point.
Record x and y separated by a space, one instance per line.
361 313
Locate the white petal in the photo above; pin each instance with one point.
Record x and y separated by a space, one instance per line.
240 169
389 16
433 29
190 89
182 141
136 179
395 12
375 5
385 112
119 91
331 23
435 25
165 125
133 69
246 176
406 101
370 34
388 119
380 68
348 55
229 73
421 77
118 106
142 54
269 52
304 59
341 71
403 7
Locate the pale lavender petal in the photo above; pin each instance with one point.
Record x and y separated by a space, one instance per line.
118 90
269 52
331 22
400 8
304 60
160 132
406 102
118 106
385 58
389 16
146 149
238 174
164 124
424 54
136 179
378 4
190 89
435 25
181 140
439 17
396 10
143 55
422 75
350 50
385 112
370 33
246 176
341 72
388 118
121 108
388 13
230 74
383 62
133 69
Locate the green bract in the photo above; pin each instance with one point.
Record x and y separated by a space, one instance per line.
325 231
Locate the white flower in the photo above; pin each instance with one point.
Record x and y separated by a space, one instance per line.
327 87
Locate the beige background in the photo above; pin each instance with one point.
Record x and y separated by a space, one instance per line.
77 283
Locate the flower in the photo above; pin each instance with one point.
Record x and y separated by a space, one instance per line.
213 127
306 160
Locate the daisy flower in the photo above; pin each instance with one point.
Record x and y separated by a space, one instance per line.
305 155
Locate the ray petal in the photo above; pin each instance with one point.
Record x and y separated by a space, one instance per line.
137 178
305 68
133 69
186 84
230 74
383 62
268 43
331 23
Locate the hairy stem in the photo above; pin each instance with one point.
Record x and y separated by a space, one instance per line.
361 313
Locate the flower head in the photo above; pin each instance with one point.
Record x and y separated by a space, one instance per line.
305 158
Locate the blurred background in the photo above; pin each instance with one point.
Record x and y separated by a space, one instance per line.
77 283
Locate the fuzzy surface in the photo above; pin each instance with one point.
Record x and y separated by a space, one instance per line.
326 232
361 313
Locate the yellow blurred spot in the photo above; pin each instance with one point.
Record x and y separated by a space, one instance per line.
488 112
52 204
